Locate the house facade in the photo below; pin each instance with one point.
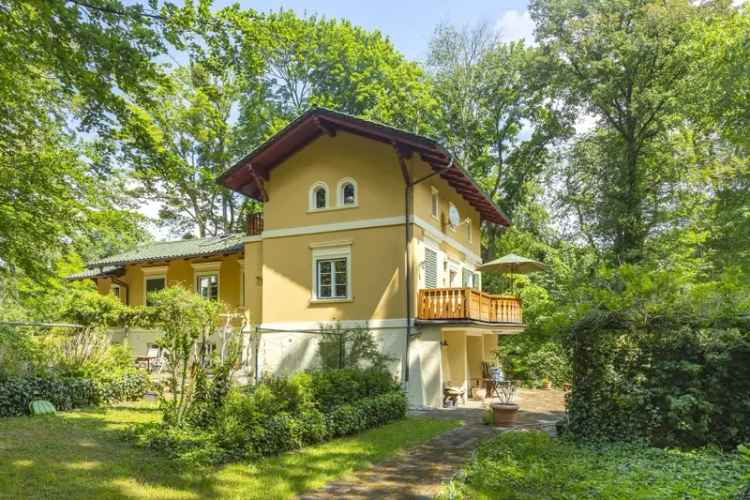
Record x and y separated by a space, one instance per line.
363 225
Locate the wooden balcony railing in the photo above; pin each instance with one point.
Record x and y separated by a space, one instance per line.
255 224
468 304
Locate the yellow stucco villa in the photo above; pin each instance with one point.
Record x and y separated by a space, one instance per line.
362 224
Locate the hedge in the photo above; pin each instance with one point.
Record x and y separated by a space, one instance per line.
241 439
128 387
672 381
66 393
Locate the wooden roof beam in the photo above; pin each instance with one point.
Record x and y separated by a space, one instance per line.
258 183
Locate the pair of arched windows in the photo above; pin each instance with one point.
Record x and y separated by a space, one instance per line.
346 195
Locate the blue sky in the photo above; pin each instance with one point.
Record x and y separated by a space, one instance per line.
410 23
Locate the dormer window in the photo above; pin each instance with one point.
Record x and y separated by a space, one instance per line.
347 193
318 196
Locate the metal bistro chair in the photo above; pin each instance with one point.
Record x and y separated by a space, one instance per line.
493 377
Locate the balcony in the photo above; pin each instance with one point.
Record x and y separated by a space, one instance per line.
467 304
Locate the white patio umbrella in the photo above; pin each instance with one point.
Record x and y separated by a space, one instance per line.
512 264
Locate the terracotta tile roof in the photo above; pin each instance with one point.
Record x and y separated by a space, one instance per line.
244 175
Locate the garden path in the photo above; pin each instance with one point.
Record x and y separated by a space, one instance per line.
419 473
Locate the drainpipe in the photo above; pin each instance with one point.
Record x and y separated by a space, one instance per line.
403 154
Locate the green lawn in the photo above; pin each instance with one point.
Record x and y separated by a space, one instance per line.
532 465
81 454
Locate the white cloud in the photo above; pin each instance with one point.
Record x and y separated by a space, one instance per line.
516 25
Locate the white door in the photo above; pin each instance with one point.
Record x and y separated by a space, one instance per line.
454 275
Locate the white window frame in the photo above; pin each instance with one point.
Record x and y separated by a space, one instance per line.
329 253
117 287
311 197
152 273
340 193
198 275
455 267
435 203
207 269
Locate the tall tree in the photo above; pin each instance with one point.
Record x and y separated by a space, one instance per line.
496 114
624 62
247 76
179 145
64 66
314 61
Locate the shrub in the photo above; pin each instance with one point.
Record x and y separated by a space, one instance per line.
65 393
191 446
355 347
530 465
332 388
366 413
250 425
128 387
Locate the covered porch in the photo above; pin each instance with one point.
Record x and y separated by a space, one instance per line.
451 354
463 352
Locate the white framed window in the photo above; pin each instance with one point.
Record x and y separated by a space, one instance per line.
348 193
154 279
435 203
466 278
153 284
451 207
318 198
332 274
116 290
206 279
207 285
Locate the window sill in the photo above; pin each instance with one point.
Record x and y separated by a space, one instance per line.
330 209
331 301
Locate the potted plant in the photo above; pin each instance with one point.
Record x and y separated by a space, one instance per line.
504 411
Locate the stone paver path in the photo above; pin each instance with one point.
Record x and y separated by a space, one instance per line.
419 473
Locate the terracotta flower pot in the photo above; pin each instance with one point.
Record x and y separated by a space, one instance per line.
505 413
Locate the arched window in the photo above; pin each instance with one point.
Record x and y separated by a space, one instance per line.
347 193
318 196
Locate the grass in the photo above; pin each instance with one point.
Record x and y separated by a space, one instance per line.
81 455
531 465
